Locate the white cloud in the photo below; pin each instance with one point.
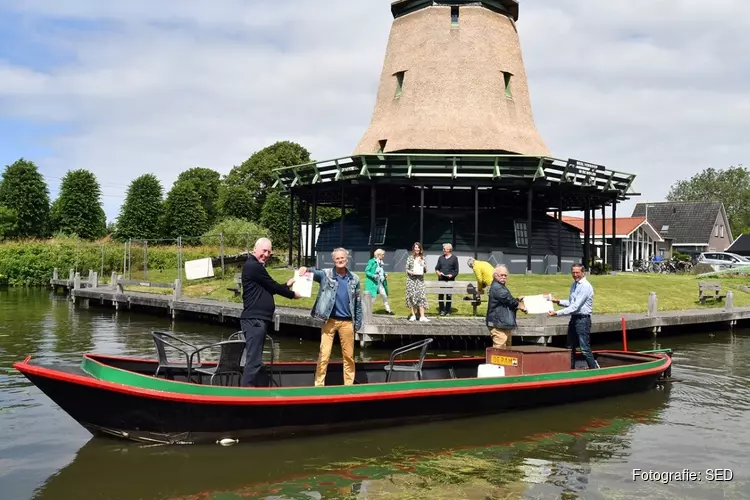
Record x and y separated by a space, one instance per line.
656 88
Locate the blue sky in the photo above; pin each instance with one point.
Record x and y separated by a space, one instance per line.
122 89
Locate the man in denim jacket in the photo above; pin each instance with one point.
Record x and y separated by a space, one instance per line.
339 304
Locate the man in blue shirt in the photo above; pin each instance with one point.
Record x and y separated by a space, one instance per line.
339 305
579 307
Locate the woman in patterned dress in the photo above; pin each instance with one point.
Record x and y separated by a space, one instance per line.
416 267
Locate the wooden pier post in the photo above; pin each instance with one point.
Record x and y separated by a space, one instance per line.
177 289
93 279
54 274
652 304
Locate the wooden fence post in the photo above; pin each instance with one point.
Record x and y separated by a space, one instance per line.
652 304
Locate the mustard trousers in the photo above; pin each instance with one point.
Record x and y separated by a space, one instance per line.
345 329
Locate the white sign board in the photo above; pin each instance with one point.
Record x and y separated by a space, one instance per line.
201 268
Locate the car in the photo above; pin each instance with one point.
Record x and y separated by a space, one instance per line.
725 259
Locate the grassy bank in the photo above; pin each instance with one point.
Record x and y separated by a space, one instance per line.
625 292
31 262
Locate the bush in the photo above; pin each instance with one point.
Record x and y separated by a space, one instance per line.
237 233
599 268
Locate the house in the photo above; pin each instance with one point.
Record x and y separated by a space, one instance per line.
636 239
691 226
741 245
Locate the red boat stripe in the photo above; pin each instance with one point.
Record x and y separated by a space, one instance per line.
342 398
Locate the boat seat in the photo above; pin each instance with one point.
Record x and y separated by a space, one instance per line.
162 340
230 359
415 367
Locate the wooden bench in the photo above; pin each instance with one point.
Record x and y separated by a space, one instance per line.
237 288
710 290
467 289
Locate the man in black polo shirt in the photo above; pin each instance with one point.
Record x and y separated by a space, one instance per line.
258 289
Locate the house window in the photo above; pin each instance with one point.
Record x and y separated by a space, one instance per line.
665 228
382 145
454 16
721 231
399 83
506 77
716 230
522 235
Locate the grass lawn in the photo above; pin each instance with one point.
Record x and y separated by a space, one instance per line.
625 292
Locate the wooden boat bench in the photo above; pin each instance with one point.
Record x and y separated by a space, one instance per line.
710 290
468 289
237 288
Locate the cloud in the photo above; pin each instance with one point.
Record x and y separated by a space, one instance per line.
653 88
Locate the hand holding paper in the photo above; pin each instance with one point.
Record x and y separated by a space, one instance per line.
303 284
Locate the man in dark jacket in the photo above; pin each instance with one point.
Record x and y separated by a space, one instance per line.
501 309
258 289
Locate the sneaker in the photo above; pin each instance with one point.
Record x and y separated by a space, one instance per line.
412 318
442 313
389 312
424 319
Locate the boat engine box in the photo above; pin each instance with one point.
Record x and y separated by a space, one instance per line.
529 359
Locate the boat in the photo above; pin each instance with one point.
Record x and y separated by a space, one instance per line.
143 400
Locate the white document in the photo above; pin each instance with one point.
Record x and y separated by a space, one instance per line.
418 267
201 268
537 304
303 284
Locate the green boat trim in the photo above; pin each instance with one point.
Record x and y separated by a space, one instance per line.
285 395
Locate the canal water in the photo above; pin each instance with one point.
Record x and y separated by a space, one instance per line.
585 450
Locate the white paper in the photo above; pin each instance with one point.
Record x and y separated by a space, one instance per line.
418 267
201 268
537 304
303 284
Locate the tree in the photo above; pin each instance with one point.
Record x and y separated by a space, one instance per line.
237 202
78 209
141 214
206 183
8 221
24 191
255 174
183 214
730 186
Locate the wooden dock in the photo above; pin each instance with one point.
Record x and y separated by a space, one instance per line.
376 327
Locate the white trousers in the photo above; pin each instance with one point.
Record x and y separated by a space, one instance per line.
381 292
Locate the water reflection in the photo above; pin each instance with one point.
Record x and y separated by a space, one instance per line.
507 453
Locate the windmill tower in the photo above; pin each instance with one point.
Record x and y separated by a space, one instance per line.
453 79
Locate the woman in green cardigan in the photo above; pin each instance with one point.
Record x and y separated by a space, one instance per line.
377 279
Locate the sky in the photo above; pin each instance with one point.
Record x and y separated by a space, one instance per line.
658 88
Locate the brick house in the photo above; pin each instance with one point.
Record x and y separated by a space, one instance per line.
688 227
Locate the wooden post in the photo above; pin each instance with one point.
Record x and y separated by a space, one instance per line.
71 275
113 283
421 217
604 239
145 260
373 209
476 222
221 251
54 274
77 281
313 257
343 217
652 304
94 279
586 234
177 289
366 308
529 222
729 301
615 250
291 229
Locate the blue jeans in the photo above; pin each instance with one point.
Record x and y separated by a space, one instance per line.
255 337
579 334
